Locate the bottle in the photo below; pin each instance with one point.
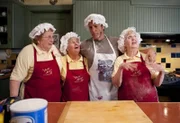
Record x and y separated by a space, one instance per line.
1 114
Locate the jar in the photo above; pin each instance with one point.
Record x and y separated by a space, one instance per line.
1 114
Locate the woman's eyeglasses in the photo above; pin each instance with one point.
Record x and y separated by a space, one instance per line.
49 37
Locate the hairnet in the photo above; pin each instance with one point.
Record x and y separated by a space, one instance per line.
97 19
122 37
64 41
40 29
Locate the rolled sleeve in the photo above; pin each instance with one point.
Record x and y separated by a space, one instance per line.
117 64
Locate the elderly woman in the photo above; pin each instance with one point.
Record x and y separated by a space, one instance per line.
38 67
131 72
74 71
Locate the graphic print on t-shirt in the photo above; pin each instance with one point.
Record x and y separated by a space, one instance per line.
105 69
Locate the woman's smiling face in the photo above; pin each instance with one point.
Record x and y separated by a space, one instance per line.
46 41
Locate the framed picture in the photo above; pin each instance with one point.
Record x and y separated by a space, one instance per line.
56 40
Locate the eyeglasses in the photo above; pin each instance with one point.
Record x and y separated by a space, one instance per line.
49 37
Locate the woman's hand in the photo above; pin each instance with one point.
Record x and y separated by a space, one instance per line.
151 56
128 66
155 67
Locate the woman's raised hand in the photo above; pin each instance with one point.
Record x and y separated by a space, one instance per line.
128 66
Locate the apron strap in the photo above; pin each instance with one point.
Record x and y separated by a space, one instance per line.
35 57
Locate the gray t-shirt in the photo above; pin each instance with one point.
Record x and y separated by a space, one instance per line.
102 46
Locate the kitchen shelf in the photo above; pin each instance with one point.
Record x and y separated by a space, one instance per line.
12 16
3 26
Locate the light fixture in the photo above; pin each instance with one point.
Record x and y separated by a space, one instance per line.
53 2
167 40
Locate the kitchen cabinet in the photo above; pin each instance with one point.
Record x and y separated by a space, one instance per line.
59 15
12 26
3 25
4 88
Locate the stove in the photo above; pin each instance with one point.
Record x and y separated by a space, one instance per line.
170 79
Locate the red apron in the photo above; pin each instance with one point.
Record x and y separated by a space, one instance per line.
76 85
137 85
45 81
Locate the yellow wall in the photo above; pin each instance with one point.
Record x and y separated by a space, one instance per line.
166 50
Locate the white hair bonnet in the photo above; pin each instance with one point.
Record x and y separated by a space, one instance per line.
97 19
40 29
64 41
122 38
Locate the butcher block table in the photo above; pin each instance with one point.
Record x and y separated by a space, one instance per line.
162 112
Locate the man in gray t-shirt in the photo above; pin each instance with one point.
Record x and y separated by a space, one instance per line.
101 52
87 49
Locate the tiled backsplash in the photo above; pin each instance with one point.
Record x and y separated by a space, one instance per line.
168 54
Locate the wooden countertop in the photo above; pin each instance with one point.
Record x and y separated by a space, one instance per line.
162 112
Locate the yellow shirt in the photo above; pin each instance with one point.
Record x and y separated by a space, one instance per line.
25 61
78 64
136 58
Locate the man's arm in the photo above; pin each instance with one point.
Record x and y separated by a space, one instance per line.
159 79
150 54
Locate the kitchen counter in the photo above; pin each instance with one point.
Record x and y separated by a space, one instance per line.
4 86
5 76
6 73
171 91
162 112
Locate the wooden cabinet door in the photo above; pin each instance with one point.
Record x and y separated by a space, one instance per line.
62 21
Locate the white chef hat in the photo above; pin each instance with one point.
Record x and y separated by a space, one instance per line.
122 37
40 29
64 41
97 19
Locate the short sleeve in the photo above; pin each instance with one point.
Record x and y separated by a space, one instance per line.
23 63
117 63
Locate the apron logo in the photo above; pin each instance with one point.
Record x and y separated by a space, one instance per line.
78 79
136 73
105 69
47 71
